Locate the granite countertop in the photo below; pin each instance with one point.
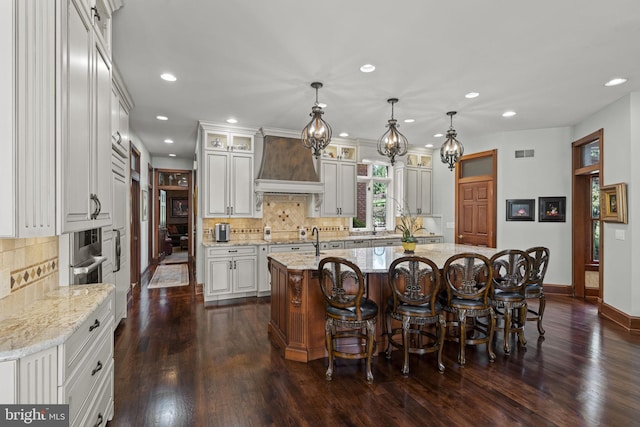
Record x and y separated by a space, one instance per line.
49 321
213 243
377 260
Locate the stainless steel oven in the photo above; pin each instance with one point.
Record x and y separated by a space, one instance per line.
86 257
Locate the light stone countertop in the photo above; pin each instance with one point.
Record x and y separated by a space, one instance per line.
212 243
377 260
50 320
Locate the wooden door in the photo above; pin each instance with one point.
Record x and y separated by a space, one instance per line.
134 226
475 199
474 221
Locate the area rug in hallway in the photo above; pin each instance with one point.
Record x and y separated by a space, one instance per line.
170 275
176 258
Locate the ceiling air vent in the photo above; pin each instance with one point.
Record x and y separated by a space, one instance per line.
520 154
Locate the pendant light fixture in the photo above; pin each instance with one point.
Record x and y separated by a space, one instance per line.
452 149
392 143
317 134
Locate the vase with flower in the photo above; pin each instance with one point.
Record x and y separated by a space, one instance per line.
408 226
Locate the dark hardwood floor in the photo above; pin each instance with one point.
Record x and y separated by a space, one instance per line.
181 363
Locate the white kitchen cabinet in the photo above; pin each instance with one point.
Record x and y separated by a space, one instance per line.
430 239
119 123
78 372
120 179
85 122
417 190
228 180
343 152
359 243
377 243
27 118
231 272
264 278
331 245
339 178
228 185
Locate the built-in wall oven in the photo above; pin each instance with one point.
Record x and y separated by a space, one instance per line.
86 257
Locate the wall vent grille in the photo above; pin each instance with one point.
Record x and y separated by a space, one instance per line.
521 154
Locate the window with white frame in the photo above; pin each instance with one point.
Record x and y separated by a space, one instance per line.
374 209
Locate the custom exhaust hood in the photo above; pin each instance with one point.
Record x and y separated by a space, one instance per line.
287 167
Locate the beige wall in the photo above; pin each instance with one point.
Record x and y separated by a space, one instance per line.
28 268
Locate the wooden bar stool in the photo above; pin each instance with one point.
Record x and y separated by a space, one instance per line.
415 283
349 313
511 269
467 280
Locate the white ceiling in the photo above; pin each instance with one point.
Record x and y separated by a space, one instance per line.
254 60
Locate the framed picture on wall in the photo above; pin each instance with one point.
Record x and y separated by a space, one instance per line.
144 205
613 203
179 207
521 209
552 209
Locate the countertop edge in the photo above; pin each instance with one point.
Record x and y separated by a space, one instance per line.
39 318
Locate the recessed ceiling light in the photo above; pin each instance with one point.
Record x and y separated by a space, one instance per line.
168 77
429 145
172 155
409 120
232 120
509 114
344 134
367 68
471 95
438 135
162 118
615 82
169 141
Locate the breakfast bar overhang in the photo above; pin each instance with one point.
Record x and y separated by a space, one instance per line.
297 322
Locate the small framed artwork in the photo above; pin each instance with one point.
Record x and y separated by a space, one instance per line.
552 209
179 207
613 203
521 209
144 205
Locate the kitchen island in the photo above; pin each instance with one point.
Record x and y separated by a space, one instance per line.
297 303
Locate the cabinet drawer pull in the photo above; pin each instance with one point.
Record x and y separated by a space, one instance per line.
96 14
232 251
97 368
100 419
295 249
95 325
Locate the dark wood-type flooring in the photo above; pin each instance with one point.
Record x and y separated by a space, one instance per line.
181 363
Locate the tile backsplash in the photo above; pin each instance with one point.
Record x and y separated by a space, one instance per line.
28 268
285 214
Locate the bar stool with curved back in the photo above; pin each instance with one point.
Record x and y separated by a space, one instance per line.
415 283
467 280
348 311
540 258
511 269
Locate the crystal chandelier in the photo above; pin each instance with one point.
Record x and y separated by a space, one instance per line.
392 143
452 149
317 134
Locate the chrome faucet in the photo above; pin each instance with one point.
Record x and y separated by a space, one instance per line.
316 232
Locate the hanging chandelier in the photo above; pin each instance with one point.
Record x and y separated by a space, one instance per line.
392 143
316 135
452 149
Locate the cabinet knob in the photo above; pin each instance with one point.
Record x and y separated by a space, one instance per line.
460 236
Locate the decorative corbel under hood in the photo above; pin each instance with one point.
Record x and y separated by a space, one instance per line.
287 167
